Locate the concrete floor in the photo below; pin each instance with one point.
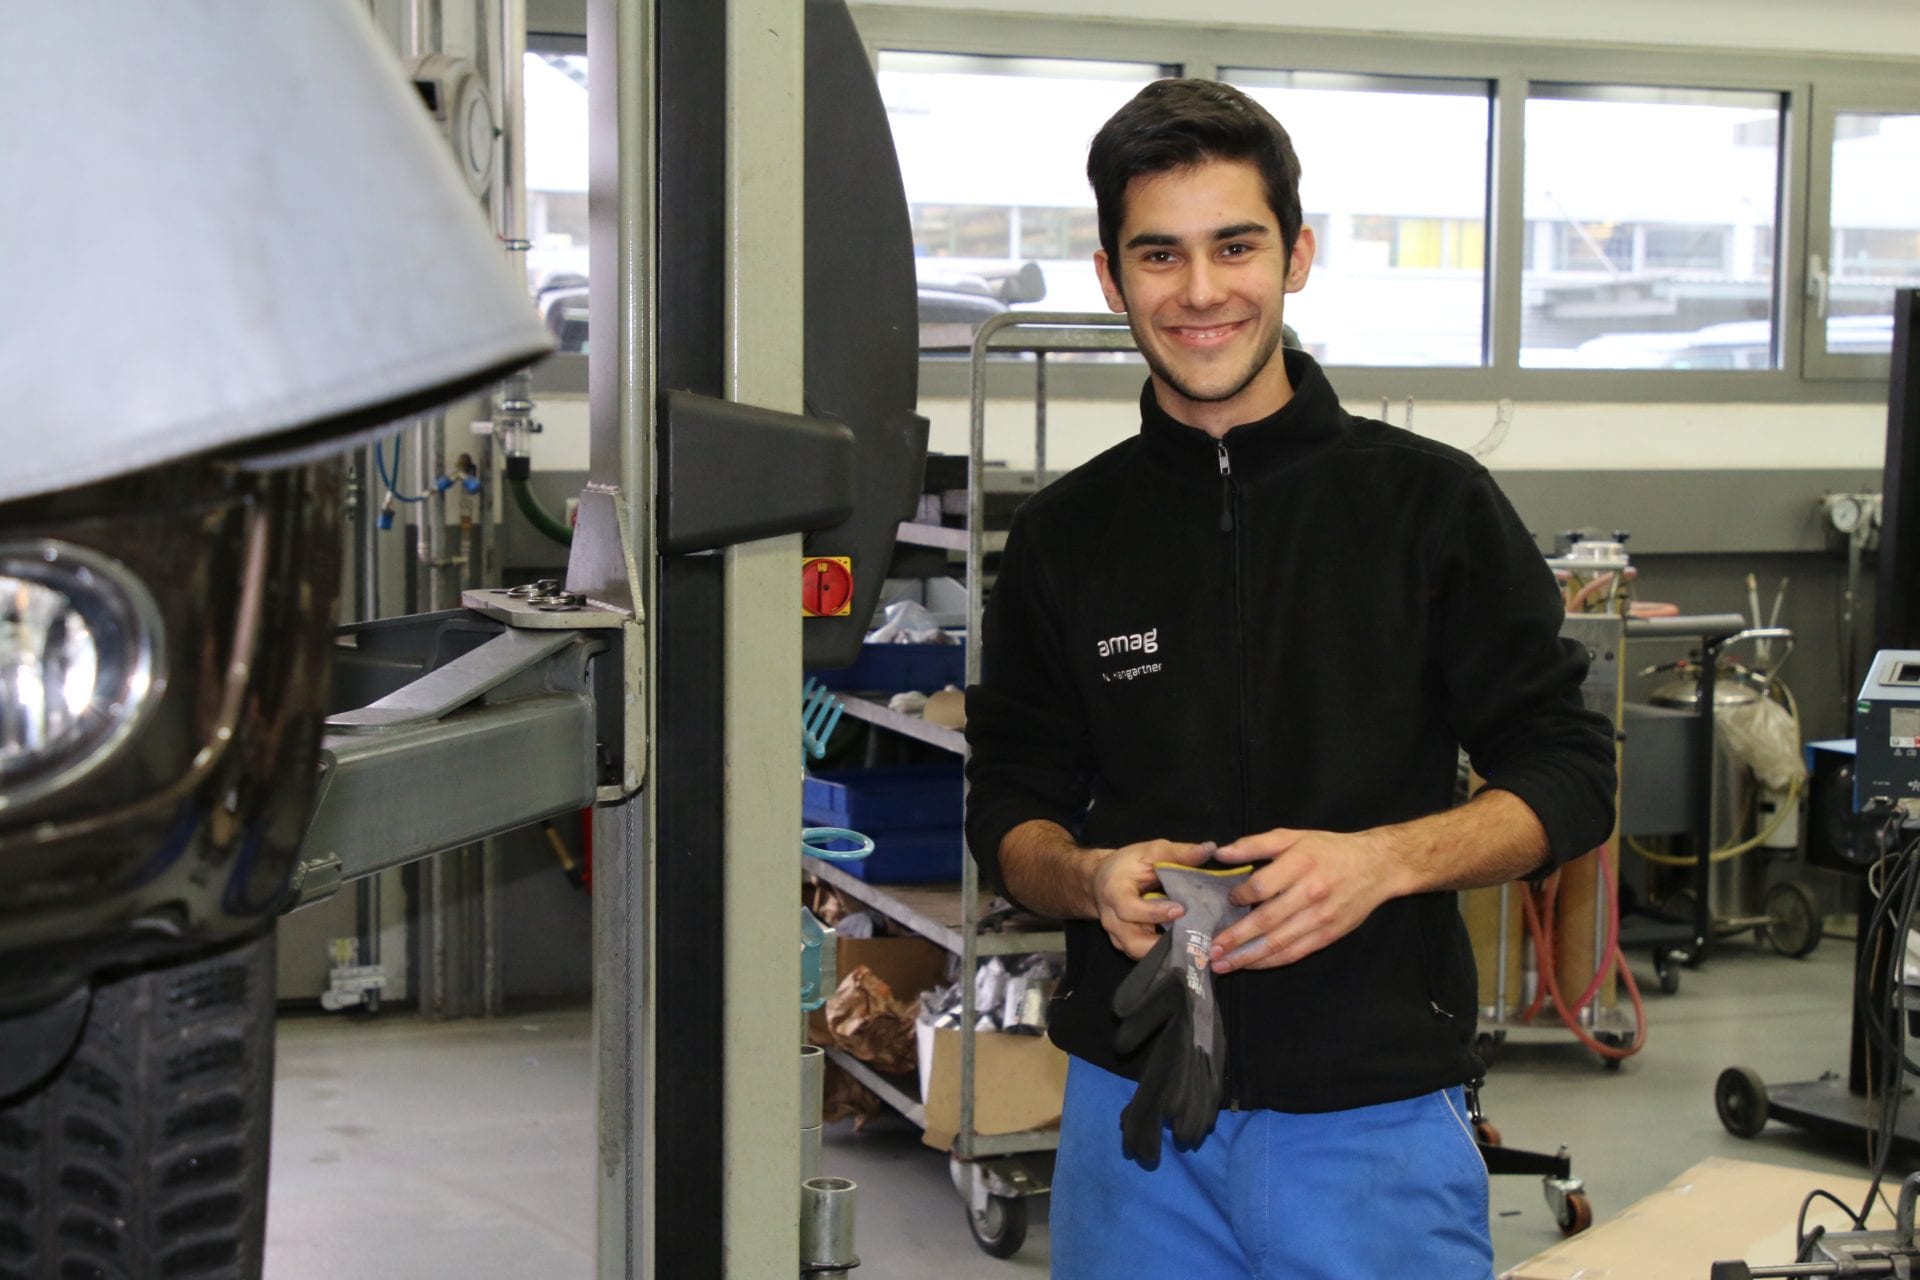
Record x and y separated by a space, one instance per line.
411 1149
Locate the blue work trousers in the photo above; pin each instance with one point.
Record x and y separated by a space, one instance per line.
1393 1190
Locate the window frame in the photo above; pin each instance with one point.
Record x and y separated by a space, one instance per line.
1814 88
1511 66
1831 101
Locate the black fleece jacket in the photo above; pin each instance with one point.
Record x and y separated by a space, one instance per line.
1196 640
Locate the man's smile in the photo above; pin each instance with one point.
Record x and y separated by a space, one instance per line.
1204 336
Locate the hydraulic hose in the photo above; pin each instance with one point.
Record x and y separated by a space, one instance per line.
1539 922
538 516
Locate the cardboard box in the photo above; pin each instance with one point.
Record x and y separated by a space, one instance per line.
1720 1210
1019 1083
1019 1080
908 965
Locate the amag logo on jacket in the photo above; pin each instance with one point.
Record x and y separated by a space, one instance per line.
1147 641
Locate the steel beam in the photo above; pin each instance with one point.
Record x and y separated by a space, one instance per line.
387 799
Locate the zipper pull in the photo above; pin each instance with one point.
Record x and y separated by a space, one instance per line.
1226 488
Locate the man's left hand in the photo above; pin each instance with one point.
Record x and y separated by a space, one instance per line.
1317 889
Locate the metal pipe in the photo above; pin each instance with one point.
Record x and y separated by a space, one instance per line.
826 1226
434 510
367 912
813 1090
367 534
1039 419
1703 755
509 200
436 921
492 987
1605 886
813 1085
1500 965
417 37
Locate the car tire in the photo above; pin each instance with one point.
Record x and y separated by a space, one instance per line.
145 1154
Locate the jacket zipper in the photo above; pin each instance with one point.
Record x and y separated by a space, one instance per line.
1226 504
1229 525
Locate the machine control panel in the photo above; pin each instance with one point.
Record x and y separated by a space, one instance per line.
1887 733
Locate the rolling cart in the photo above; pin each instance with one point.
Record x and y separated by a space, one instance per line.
1789 917
1880 843
996 1175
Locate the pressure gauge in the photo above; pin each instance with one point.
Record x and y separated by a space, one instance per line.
456 96
1845 511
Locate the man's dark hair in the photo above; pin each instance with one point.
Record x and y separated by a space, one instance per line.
1175 124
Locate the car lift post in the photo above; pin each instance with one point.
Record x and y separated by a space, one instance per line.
696 184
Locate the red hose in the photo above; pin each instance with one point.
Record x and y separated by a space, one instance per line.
1539 919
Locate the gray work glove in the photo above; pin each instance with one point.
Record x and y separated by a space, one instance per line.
1169 997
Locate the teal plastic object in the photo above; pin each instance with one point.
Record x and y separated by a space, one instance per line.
814 840
820 714
813 936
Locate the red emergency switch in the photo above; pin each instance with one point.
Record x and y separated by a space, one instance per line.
826 587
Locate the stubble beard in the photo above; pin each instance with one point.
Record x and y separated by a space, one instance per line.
1161 369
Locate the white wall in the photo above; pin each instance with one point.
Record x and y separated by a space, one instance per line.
1885 28
1539 437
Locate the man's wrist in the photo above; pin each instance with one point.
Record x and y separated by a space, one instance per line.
1400 848
1089 862
1044 867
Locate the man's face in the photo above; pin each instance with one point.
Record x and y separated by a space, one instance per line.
1203 277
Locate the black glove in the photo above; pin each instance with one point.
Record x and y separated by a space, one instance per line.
1169 997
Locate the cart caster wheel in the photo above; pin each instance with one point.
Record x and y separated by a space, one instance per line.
1485 1134
1612 1040
1576 1215
1002 1227
1741 1099
1667 969
1793 918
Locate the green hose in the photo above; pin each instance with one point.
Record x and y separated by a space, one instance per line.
538 516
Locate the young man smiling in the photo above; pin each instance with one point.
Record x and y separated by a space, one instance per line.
1338 607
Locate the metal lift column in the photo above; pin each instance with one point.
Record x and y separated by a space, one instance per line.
695 202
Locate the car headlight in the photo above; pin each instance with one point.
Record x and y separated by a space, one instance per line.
82 662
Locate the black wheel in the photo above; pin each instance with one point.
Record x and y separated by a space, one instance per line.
1678 907
145 1154
1793 918
1577 1215
1667 969
1740 1097
1002 1228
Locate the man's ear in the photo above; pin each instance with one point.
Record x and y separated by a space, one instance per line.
1301 262
1116 301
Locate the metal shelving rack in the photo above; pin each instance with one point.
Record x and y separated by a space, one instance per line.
989 1169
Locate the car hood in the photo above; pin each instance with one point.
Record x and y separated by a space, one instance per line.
232 226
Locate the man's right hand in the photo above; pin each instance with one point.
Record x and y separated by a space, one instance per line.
1121 881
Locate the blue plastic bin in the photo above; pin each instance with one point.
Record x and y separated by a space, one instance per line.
912 855
876 801
895 668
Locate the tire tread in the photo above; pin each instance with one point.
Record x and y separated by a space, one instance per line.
145 1157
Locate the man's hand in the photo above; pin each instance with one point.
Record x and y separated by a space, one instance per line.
1121 882
1317 889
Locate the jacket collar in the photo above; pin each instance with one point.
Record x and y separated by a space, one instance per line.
1304 425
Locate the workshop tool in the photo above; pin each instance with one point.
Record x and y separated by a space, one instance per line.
1844 1253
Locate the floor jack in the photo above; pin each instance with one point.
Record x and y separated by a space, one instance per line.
1847 1253
1566 1194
